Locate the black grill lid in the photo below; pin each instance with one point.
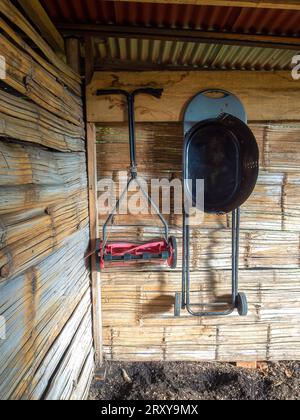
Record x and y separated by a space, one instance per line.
224 152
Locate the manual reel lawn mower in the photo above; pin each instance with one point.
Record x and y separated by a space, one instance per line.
158 251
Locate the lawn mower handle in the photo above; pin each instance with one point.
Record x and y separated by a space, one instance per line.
157 93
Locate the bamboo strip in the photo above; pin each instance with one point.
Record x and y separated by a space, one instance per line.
272 206
52 360
263 210
72 84
25 244
248 342
149 301
44 280
30 79
83 384
23 165
65 378
29 112
211 249
16 18
36 306
160 145
15 128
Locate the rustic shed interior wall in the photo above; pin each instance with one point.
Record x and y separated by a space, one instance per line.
45 297
45 301
138 304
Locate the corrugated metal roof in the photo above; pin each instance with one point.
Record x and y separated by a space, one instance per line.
233 19
142 53
134 52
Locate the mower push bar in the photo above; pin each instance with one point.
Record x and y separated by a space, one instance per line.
157 93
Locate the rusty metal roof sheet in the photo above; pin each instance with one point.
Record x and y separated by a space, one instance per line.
233 19
142 53
136 52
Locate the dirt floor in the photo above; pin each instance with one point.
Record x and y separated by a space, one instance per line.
198 381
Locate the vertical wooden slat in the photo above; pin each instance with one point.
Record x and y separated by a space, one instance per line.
96 286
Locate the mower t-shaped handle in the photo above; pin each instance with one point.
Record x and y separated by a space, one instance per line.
157 93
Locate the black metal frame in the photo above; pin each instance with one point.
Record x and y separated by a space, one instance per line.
186 281
157 93
203 109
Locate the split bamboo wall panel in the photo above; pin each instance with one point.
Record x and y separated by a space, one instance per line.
138 302
44 228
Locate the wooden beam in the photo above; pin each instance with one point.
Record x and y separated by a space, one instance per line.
182 35
73 53
93 213
117 65
35 11
261 4
259 91
247 365
89 59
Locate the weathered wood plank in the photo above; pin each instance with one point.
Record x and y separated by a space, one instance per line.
93 219
64 380
30 79
10 33
27 122
73 54
38 15
248 342
258 91
37 306
44 279
23 165
16 18
27 243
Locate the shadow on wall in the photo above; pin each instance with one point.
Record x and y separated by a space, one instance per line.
164 303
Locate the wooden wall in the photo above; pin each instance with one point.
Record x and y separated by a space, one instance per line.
44 277
138 306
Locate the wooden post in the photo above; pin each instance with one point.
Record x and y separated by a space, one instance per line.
89 59
73 53
96 286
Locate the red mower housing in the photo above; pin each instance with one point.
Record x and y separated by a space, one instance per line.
124 253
